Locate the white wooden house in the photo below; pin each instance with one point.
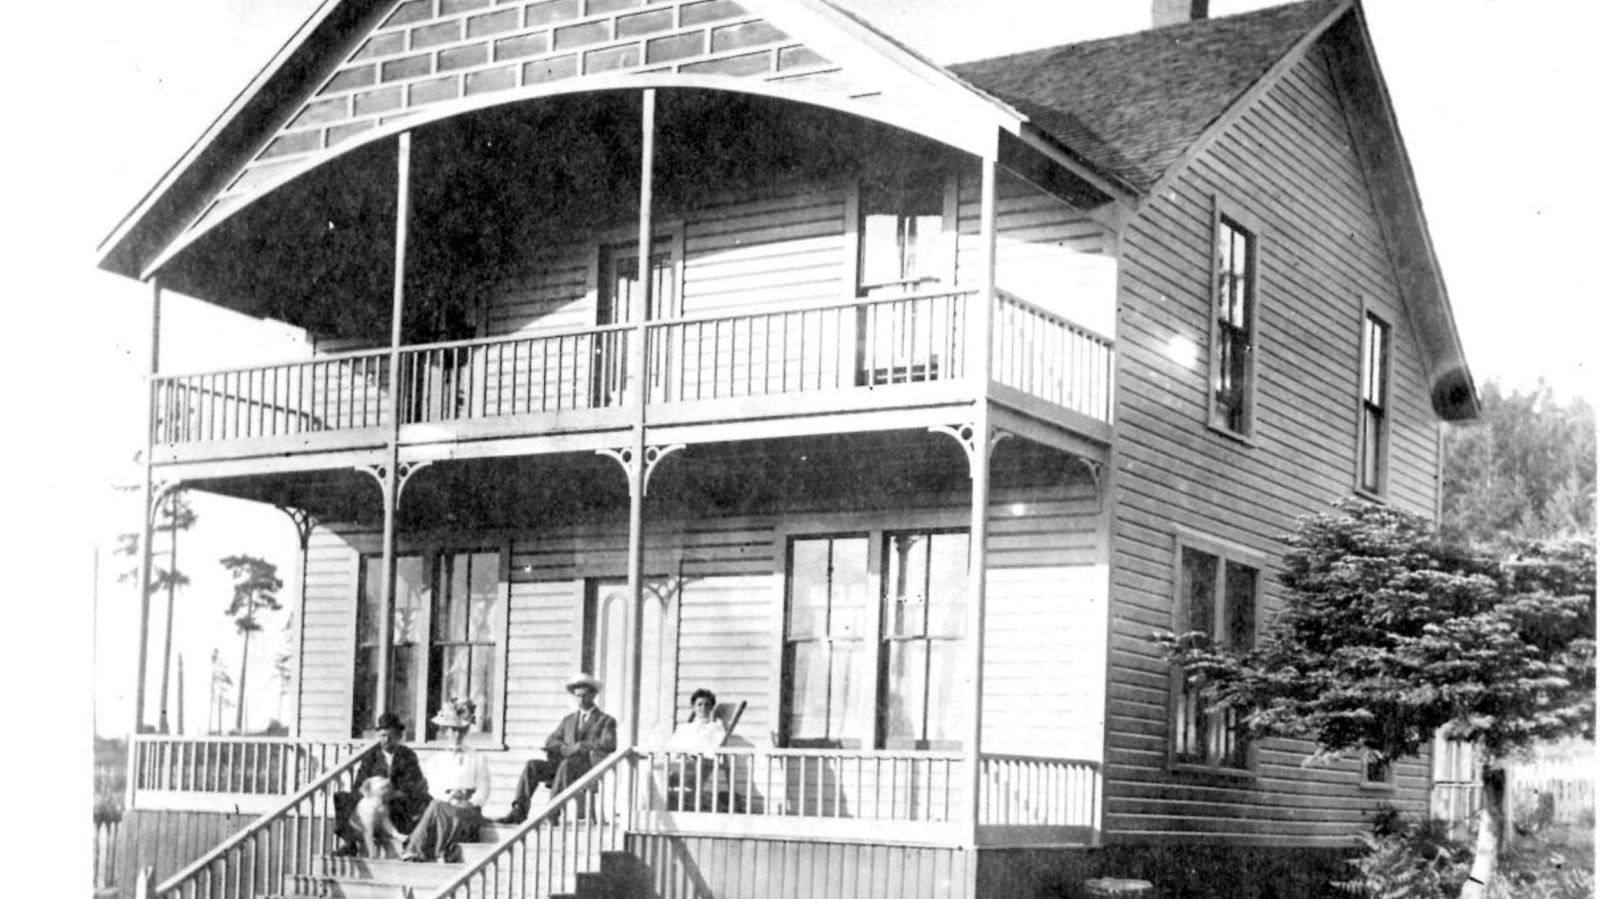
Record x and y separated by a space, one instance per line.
941 390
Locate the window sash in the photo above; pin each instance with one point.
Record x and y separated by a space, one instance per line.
1373 426
1233 324
901 229
1218 597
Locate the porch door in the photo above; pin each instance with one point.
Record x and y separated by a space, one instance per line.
605 649
621 292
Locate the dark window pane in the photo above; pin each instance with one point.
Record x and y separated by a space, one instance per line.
1240 603
1199 590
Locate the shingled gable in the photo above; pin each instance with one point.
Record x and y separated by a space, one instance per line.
1138 106
362 69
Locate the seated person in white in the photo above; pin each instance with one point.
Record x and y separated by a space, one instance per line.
458 781
703 732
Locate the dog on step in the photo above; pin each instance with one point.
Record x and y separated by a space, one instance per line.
372 819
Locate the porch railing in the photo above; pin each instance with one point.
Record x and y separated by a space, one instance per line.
265 858
231 765
545 854
327 393
1046 356
810 783
865 344
1031 791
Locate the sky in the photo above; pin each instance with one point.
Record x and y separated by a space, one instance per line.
1487 93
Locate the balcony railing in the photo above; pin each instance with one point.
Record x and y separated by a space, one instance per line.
867 344
197 772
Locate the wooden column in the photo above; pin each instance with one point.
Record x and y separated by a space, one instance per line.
979 352
146 526
637 359
391 468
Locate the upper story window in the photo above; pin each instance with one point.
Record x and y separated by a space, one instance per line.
446 630
1217 596
902 236
1372 439
1233 324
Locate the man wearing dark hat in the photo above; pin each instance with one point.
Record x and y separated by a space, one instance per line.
408 788
582 739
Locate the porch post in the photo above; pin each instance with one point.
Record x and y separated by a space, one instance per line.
146 526
391 468
634 663
981 322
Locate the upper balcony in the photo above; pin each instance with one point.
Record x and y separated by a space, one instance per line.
867 365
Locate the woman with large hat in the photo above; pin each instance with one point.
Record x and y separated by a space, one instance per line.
458 781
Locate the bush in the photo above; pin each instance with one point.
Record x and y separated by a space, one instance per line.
1413 861
1554 863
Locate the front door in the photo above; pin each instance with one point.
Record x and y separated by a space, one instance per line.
621 293
605 649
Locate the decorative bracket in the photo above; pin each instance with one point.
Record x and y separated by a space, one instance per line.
304 524
630 464
966 434
1094 469
158 494
380 473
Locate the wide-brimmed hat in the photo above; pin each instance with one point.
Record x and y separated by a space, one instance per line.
584 679
458 713
390 721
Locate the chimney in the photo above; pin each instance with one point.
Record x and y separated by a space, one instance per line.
1174 12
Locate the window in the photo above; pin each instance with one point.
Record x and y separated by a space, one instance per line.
902 242
445 634
1233 327
1373 434
1377 772
924 621
825 640
875 666
1217 598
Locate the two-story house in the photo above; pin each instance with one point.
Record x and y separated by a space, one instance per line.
732 344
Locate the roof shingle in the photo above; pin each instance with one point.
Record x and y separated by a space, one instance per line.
1131 105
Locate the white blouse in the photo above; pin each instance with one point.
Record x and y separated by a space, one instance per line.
457 769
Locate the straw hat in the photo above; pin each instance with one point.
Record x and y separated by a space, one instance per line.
583 679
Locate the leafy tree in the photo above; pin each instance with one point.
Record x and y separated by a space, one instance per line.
255 587
1525 468
1389 632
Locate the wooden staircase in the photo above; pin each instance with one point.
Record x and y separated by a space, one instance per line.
615 875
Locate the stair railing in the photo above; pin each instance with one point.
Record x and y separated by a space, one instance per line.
544 855
263 858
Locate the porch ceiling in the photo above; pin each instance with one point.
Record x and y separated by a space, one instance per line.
491 185
844 472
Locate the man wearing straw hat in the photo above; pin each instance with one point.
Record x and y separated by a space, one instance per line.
582 739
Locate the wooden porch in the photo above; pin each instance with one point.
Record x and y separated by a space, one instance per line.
809 369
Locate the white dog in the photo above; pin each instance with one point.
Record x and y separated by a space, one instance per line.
372 819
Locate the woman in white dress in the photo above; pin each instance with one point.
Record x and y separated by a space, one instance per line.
692 754
458 781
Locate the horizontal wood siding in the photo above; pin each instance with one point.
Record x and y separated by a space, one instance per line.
725 644
704 867
1289 163
327 646
1046 252
743 254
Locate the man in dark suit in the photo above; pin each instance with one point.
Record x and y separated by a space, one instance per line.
582 739
408 788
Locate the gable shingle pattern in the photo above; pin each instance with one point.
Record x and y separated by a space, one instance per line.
1131 105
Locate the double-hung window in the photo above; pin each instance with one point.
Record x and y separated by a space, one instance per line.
874 629
902 239
1372 437
1217 597
1233 324
446 632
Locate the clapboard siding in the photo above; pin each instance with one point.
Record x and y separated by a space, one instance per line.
1288 161
327 644
690 867
725 644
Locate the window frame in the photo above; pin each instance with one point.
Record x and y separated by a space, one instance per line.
1370 318
877 530
947 184
1225 213
1223 552
1385 779
417 717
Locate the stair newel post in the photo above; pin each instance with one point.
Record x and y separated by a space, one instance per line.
146 526
391 468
